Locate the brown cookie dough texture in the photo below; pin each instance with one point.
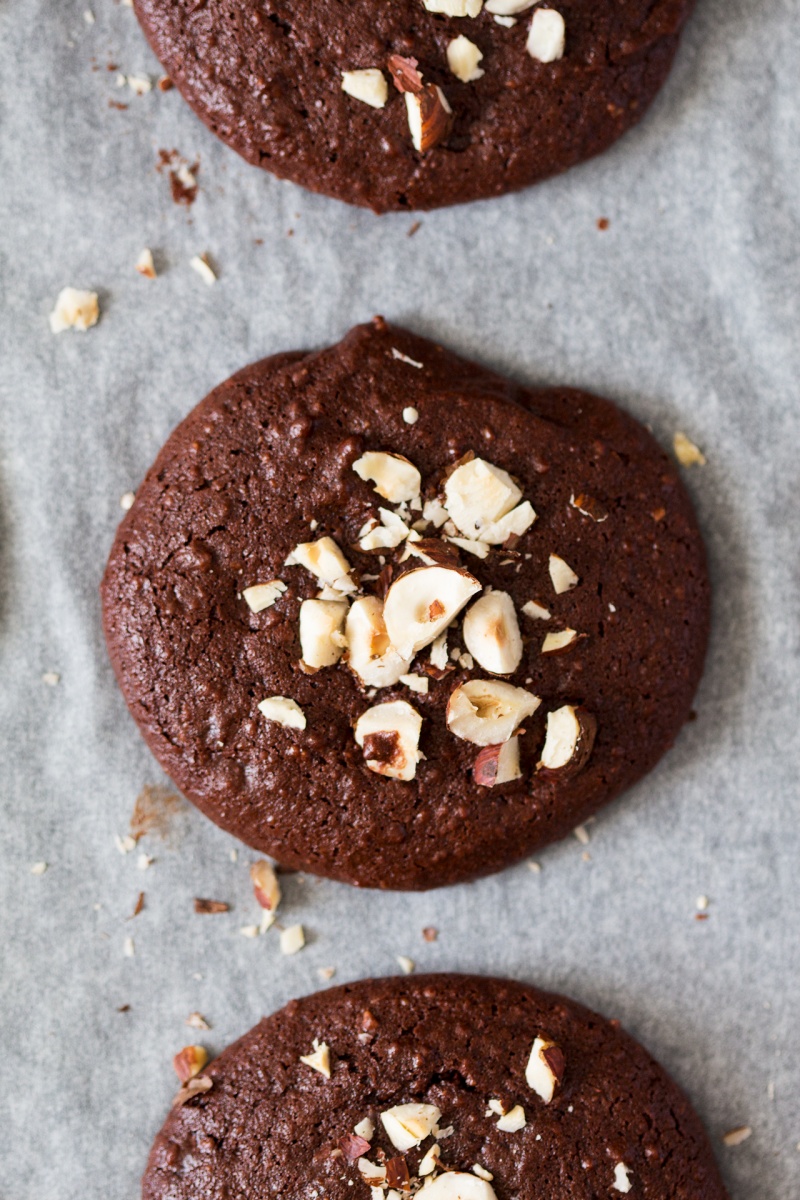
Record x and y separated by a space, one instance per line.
449 1087
393 619
416 104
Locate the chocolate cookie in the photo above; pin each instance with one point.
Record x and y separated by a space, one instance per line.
418 103
393 619
480 1089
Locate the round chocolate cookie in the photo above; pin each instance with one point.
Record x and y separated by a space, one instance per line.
418 103
390 618
480 1089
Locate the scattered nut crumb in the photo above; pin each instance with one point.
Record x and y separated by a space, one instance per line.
144 861
249 931
165 84
74 310
138 906
430 933
702 903
414 228
234 856
534 866
320 1059
128 948
292 939
210 906
406 964
140 85
201 265
126 501
326 973
124 844
38 868
735 1137
88 16
189 1062
687 454
582 834
145 265
196 1021
404 358
482 1173
603 223
51 678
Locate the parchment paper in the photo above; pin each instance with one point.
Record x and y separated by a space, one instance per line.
684 310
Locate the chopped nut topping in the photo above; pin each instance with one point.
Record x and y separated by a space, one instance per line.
545 1069
422 603
687 454
454 8
412 362
429 117
263 595
197 1021
536 611
547 36
589 507
353 1147
417 683
570 738
389 735
322 641
430 1160
562 640
283 711
498 764
320 1060
74 310
481 1172
394 477
491 633
325 561
513 1120
459 1185
410 415
407 1125
562 575
477 493
621 1181
404 73
487 711
463 57
391 533
508 8
194 1087
370 653
368 85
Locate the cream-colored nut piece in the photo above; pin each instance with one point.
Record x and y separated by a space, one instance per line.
479 549
562 575
459 1185
508 8
324 560
513 524
463 57
283 711
547 36
370 653
293 939
74 310
365 1129
488 711
322 641
569 738
263 595
319 1059
478 494
498 764
189 1062
145 265
622 1182
368 85
371 1172
454 8
430 1160
422 603
393 477
407 1125
545 1068
536 611
265 885
391 533
389 736
513 1120
491 633
561 640
687 454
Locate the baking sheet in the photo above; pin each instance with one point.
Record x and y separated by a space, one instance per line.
684 310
